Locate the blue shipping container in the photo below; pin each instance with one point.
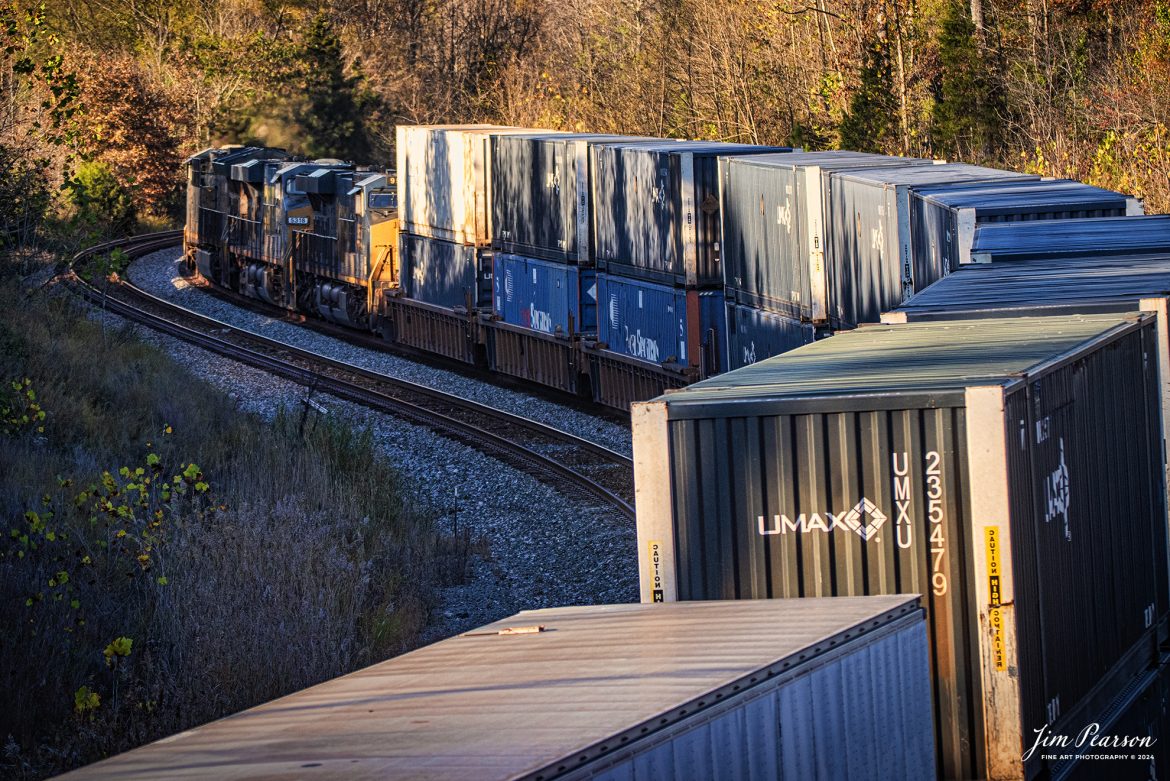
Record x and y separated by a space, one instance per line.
553 298
650 321
439 272
753 335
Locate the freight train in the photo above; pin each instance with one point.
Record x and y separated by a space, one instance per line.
996 443
606 266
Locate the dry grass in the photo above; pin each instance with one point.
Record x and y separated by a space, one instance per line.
302 559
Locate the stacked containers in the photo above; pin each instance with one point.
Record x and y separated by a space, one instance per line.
871 268
444 202
1009 469
773 245
1071 238
943 219
657 228
541 231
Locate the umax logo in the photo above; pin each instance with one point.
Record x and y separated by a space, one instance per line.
864 519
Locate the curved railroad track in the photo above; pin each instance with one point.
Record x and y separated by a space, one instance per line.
576 466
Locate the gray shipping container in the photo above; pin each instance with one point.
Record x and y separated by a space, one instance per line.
540 194
780 689
1010 470
773 226
1071 238
656 209
1054 286
444 180
870 251
443 273
943 219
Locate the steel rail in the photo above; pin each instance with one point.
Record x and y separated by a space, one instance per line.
327 379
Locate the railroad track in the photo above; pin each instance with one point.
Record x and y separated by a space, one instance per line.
576 466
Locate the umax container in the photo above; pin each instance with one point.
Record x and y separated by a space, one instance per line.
1010 470
777 689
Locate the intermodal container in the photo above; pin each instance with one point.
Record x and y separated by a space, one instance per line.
1132 741
1010 470
943 219
772 689
553 298
540 194
773 226
1071 238
442 273
661 323
871 266
444 180
753 334
656 208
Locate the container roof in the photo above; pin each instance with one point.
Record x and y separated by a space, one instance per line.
1069 238
486 706
720 148
1006 193
830 159
1046 282
935 174
915 358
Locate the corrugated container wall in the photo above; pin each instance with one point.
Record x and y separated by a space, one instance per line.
871 268
1009 470
444 180
1072 238
943 219
550 297
802 690
540 194
656 209
753 334
441 273
662 324
773 227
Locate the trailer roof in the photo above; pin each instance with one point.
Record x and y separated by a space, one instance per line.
915 358
1099 236
483 705
1046 282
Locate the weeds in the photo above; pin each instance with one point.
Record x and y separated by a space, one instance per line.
168 559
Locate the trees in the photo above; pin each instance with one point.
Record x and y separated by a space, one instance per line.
965 118
329 105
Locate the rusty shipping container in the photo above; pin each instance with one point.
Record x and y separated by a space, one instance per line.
1008 469
773 226
870 263
444 180
788 690
656 209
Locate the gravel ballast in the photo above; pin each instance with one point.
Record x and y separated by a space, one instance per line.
543 549
158 274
